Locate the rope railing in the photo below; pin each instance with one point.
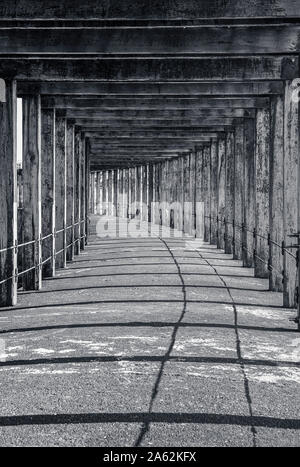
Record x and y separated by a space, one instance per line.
39 242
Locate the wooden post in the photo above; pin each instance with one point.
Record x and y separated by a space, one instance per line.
32 215
145 193
229 192
276 191
199 194
82 187
8 195
77 210
238 191
192 191
60 195
290 187
206 191
115 193
98 191
70 191
187 206
262 177
221 190
150 191
48 190
249 191
214 192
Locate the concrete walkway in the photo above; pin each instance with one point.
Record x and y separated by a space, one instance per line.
150 343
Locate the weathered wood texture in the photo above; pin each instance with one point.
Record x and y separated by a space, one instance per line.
70 150
214 192
32 215
8 193
249 192
229 193
221 191
61 190
291 150
48 190
276 192
262 177
238 191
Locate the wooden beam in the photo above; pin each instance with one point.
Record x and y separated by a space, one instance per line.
158 89
254 68
120 9
8 193
127 114
70 150
158 41
152 103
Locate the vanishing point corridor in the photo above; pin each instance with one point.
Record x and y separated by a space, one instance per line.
150 342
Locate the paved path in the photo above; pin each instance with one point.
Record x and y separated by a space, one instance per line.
151 343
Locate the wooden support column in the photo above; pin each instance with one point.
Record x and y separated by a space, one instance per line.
98 192
206 191
104 194
32 211
199 194
214 192
115 193
187 209
70 190
150 191
238 191
221 191
291 183
60 188
110 192
262 177
48 190
249 192
157 181
87 182
276 191
133 192
180 193
126 192
229 192
139 192
8 195
77 200
192 192
82 191
145 193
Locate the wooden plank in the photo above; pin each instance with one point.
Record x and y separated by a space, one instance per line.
155 41
48 190
32 209
120 9
104 114
8 193
157 102
229 68
154 89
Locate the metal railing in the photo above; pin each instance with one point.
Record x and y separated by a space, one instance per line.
38 246
240 236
